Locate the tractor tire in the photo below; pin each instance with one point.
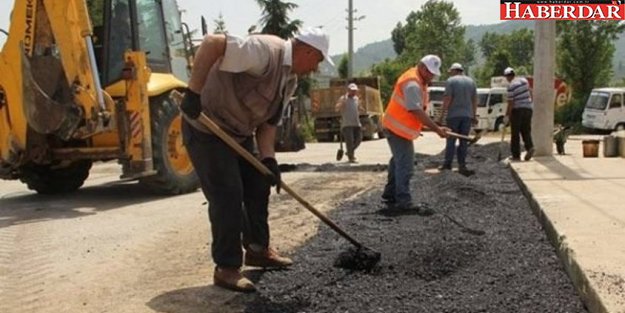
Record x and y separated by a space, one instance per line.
50 180
175 173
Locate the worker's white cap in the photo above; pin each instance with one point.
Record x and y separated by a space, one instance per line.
456 67
508 71
433 64
318 39
352 86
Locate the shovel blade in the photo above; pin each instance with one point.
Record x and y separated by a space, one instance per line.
339 154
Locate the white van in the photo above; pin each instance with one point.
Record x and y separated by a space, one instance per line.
604 109
491 108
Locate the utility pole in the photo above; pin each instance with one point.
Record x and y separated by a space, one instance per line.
350 37
544 95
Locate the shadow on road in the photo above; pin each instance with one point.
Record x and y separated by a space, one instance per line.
19 208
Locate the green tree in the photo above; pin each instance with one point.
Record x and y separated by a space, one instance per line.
220 25
343 64
275 18
585 52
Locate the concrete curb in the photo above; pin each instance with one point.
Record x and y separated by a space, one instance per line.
587 293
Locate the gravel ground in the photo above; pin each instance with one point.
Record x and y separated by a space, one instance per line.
428 264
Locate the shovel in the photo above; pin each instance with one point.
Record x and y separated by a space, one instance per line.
470 139
503 136
340 152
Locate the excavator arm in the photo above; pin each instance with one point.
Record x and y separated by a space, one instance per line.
48 78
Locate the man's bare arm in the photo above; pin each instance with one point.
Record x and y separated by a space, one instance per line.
265 138
211 49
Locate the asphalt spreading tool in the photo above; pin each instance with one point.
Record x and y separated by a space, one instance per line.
340 152
360 258
470 139
503 136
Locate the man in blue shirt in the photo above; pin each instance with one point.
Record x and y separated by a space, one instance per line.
460 103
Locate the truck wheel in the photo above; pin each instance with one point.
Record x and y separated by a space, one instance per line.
620 127
49 180
175 173
498 124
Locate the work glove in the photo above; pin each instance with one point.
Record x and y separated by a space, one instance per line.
506 120
191 105
272 165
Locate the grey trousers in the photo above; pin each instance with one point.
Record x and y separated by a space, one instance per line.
352 135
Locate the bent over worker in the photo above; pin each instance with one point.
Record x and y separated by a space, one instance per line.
404 117
242 84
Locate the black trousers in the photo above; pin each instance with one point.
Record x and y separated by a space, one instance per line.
521 124
237 194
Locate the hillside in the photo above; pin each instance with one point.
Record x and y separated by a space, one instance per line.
375 52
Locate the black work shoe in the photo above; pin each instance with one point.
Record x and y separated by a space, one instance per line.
409 209
529 154
465 171
388 199
231 278
445 168
267 258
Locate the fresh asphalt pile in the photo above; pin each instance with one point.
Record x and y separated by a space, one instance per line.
428 264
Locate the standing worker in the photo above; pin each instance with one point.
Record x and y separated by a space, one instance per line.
351 129
460 106
404 117
519 115
242 85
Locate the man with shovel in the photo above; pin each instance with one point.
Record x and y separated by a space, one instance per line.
404 117
351 129
242 85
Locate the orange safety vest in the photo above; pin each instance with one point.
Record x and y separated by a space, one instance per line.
397 119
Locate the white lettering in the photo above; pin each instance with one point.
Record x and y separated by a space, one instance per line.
528 11
543 12
555 11
599 12
614 12
516 9
568 12
581 12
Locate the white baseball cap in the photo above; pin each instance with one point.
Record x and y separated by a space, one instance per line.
318 39
456 66
508 71
433 64
352 86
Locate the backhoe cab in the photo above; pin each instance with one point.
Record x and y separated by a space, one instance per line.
85 81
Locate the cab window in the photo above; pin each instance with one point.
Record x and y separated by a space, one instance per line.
616 101
152 38
495 98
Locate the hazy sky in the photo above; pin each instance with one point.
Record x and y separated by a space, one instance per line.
381 16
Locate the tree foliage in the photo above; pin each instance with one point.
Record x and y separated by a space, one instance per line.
515 49
585 52
434 29
275 19
343 67
220 25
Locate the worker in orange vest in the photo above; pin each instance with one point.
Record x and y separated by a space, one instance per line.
404 117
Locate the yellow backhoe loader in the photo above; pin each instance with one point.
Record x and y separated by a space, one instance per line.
85 81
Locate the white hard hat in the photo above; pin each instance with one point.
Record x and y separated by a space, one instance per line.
433 64
508 71
456 66
352 86
318 39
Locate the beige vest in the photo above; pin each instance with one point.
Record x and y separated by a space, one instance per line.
240 102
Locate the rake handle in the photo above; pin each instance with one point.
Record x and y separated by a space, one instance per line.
215 129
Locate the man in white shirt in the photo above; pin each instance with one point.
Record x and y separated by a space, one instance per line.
351 129
242 84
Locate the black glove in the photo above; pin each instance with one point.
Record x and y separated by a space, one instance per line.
272 165
191 105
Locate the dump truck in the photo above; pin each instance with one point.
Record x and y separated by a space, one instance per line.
87 81
327 121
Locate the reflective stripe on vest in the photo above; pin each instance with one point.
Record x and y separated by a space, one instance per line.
397 118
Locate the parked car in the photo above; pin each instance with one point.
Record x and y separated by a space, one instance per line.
604 109
491 108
